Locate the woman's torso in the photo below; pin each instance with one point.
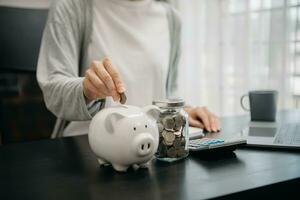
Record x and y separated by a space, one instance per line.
135 36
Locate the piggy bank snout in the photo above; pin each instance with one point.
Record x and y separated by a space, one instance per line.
144 144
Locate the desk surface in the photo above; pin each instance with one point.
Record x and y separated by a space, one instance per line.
66 169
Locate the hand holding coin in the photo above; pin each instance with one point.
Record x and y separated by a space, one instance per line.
101 80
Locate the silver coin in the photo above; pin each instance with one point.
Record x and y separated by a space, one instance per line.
180 152
177 133
162 150
178 120
171 152
168 122
164 133
177 128
182 141
160 127
123 98
177 143
167 143
169 137
183 120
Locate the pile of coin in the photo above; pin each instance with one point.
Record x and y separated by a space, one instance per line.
171 139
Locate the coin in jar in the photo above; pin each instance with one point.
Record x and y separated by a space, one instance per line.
169 137
180 152
164 133
177 133
182 141
168 122
177 128
178 120
160 127
171 152
177 143
162 150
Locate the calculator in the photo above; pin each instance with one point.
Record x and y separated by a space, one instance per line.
214 144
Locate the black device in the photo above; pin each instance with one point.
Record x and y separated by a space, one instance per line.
214 142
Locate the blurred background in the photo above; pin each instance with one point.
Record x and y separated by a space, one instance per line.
228 48
233 46
23 115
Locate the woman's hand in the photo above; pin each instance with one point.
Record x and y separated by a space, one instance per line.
201 117
102 80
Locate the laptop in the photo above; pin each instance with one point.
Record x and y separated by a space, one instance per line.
272 134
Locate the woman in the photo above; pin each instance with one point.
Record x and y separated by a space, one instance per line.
118 46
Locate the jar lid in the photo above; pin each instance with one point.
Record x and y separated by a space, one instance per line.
169 103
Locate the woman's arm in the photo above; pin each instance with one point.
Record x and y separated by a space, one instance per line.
58 64
58 72
65 93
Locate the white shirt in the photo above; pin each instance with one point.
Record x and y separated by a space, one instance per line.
135 36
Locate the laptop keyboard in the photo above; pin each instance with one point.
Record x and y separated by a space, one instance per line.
288 134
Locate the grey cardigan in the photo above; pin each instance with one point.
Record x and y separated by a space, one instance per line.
64 50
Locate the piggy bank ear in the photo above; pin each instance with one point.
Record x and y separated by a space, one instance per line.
152 112
111 121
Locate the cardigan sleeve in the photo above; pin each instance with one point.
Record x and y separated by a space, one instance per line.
58 65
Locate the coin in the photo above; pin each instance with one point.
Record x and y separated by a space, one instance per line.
171 152
183 119
178 120
160 127
162 150
168 122
180 152
123 98
169 137
177 143
177 133
167 143
182 141
163 134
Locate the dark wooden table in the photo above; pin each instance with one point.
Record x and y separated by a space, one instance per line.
67 169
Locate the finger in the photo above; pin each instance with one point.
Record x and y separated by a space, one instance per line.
116 95
216 121
204 118
96 82
211 119
100 70
105 78
195 123
114 75
90 90
213 124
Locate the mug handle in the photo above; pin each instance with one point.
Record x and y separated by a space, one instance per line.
242 102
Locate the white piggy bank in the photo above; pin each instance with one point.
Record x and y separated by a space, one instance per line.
124 135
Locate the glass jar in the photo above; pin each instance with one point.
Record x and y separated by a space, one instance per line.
173 130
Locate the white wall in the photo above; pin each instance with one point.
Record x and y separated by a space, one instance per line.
26 3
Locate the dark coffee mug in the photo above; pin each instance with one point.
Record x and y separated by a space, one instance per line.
263 105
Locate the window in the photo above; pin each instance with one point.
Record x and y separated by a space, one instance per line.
233 46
